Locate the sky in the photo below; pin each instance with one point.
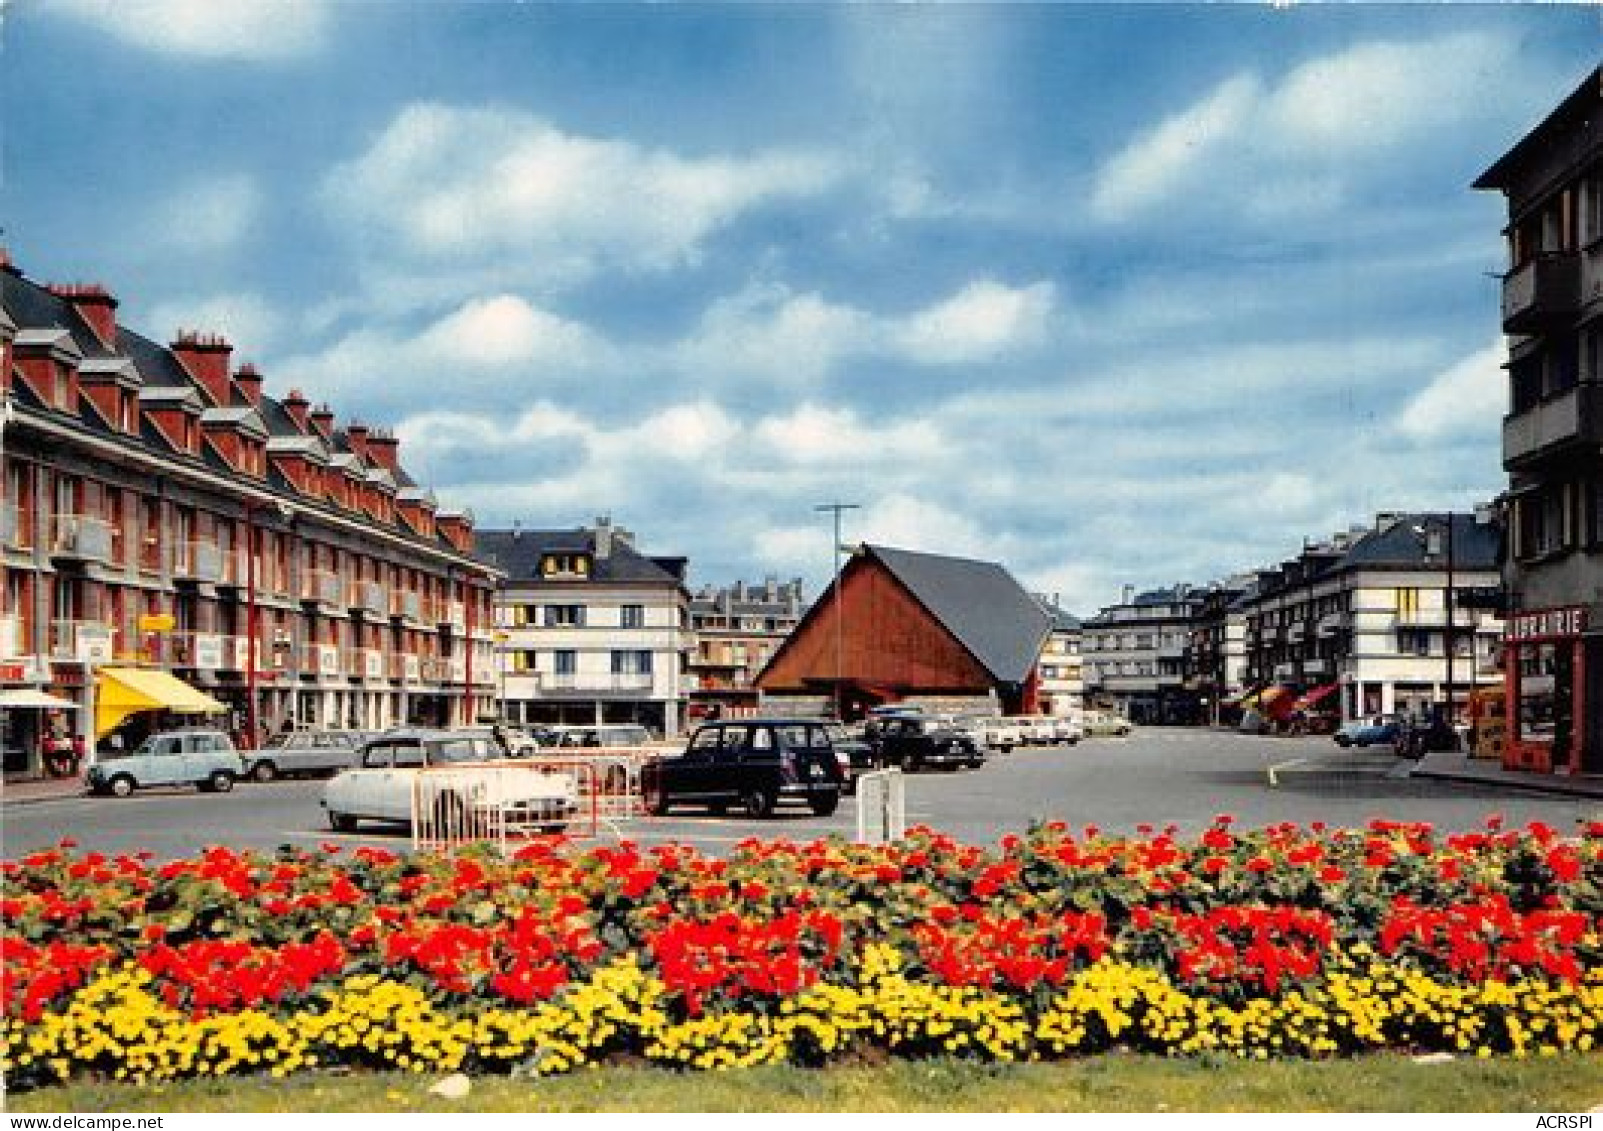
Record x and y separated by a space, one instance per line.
1111 294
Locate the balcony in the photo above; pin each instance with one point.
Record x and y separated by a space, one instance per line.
367 597
407 606
80 537
1541 292
11 527
1572 419
10 637
451 613
373 667
321 660
81 641
588 683
323 587
203 651
197 561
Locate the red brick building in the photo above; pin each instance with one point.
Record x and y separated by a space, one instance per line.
913 626
160 512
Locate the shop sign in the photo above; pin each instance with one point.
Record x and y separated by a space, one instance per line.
13 672
1546 624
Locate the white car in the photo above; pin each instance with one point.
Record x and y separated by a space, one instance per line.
205 759
1034 730
1067 730
1003 734
453 781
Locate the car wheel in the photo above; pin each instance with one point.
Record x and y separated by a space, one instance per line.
1343 741
975 763
824 806
655 799
263 771
121 785
341 822
220 781
759 803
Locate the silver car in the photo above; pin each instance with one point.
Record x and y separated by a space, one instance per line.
205 759
304 752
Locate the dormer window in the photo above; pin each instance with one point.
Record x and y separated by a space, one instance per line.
565 565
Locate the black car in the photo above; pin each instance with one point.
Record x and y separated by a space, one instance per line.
757 764
914 741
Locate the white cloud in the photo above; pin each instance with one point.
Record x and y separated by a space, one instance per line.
814 434
448 183
982 321
768 330
1468 397
247 320
488 345
209 215
1151 167
262 30
1274 150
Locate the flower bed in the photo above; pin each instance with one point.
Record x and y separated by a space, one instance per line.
1286 941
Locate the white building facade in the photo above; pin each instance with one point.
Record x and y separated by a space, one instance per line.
588 629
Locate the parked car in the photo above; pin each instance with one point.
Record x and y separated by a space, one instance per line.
915 741
515 742
1106 722
1417 737
294 752
1003 734
1378 730
205 759
1067 730
608 735
757 764
380 785
1036 730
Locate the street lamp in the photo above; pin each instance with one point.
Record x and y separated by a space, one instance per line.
840 625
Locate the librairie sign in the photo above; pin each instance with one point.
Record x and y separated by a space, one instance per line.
1546 624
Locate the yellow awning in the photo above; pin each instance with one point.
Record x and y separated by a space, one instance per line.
120 692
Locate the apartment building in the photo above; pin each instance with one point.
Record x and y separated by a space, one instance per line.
1136 656
1387 618
1217 656
1061 671
162 514
737 628
1552 314
588 628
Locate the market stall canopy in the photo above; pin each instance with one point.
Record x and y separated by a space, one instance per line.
33 697
1276 703
1317 695
120 692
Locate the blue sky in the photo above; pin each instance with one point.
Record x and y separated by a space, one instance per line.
1111 294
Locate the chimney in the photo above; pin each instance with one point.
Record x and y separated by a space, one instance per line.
249 380
206 357
6 265
1129 594
296 406
323 421
356 437
384 449
94 305
603 534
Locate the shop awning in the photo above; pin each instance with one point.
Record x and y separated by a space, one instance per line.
33 697
1317 695
120 692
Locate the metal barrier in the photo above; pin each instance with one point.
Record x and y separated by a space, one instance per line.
611 791
881 807
500 802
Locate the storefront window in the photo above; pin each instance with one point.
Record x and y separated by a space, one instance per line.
1545 690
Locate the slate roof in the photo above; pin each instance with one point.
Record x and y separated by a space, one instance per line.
39 316
518 553
979 603
1475 545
